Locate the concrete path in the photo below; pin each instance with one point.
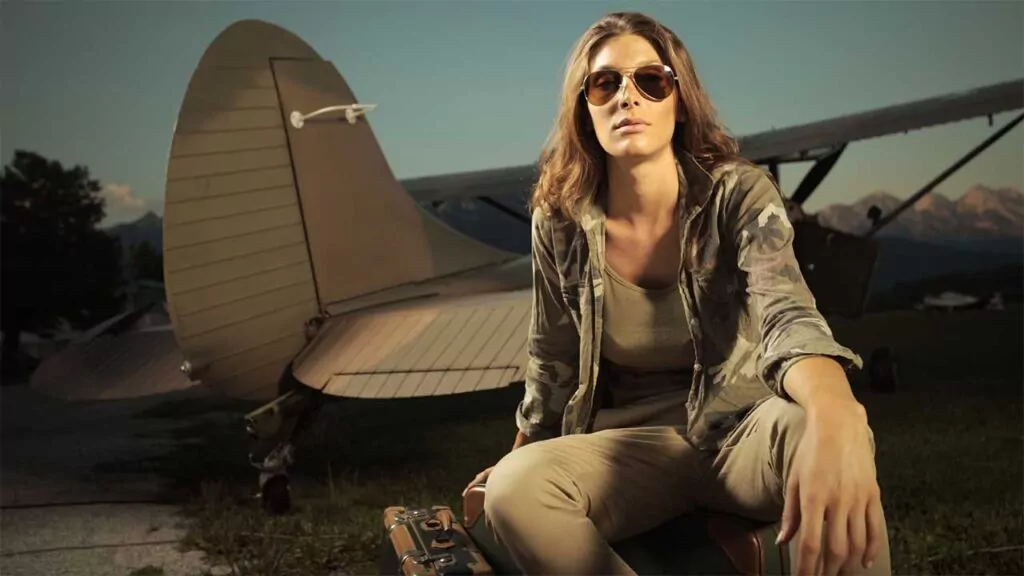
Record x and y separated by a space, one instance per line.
59 515
95 539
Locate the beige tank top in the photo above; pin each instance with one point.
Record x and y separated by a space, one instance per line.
645 328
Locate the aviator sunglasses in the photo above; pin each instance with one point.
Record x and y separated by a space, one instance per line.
655 82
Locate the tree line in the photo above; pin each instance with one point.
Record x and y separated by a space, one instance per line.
56 263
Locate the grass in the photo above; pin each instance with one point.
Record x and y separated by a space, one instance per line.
950 458
951 440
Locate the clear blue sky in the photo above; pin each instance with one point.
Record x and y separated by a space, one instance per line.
473 85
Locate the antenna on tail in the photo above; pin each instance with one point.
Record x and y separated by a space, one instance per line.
352 111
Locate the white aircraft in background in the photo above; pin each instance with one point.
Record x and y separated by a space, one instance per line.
950 300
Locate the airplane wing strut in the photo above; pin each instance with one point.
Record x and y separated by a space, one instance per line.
882 222
816 174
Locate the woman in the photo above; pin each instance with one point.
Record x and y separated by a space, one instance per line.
676 356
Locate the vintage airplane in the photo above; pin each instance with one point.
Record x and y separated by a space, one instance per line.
297 268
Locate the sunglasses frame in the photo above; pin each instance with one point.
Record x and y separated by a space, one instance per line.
628 74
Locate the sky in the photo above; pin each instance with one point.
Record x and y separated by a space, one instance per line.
473 85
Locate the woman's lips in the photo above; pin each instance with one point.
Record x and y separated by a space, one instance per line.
631 129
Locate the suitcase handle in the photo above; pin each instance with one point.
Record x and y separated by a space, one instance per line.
473 504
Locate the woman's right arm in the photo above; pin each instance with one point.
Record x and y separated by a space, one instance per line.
552 371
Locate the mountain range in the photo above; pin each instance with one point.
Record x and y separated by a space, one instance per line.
980 214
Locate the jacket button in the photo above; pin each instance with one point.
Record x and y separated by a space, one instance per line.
695 322
698 367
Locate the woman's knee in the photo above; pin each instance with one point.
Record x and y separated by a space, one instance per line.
520 482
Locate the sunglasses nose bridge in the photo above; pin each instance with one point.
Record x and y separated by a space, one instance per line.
627 77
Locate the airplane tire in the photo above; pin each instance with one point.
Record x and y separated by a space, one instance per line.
883 370
276 495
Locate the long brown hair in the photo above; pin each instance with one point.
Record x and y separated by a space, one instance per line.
572 165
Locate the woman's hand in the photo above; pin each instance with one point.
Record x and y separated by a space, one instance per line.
833 478
479 479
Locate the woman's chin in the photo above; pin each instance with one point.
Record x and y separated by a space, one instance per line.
634 150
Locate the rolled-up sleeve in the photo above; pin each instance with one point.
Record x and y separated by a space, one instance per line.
552 371
780 301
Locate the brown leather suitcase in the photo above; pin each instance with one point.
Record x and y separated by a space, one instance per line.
428 542
698 543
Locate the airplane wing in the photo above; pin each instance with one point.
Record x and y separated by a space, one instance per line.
492 182
133 354
423 347
795 143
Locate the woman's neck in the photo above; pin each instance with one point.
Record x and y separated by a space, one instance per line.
645 193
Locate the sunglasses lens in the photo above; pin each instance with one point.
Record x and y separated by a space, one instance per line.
602 85
654 81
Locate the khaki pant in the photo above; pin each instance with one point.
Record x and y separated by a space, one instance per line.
555 504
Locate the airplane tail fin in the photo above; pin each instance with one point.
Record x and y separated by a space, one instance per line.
273 212
365 232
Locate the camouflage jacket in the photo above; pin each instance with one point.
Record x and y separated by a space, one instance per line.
751 313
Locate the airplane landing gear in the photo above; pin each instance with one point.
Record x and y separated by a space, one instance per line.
275 493
273 428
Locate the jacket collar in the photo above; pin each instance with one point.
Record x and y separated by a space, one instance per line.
699 184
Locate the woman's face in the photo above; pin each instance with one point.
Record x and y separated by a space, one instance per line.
654 121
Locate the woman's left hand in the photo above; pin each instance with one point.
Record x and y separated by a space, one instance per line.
833 479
